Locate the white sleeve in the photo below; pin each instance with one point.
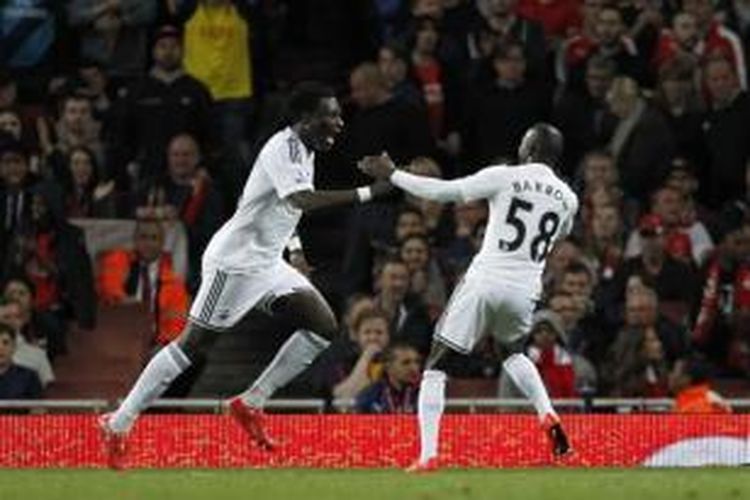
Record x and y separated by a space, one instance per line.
287 169
570 221
481 185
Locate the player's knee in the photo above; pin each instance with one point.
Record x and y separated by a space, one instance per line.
195 341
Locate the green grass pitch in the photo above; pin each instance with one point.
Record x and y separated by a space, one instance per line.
298 484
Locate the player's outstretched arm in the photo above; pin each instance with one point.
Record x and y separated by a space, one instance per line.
382 168
309 200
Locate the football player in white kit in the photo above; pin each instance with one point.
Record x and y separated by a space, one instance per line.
530 209
243 269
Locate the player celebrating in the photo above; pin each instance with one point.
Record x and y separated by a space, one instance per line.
243 269
530 208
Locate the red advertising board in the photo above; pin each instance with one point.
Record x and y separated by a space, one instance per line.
337 441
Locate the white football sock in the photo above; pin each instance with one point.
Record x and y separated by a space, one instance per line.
163 368
295 355
430 405
524 374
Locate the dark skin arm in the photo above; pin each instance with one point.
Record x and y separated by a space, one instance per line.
308 201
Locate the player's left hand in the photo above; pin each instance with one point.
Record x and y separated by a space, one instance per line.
378 167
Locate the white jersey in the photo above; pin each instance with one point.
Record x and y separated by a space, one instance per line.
530 209
253 240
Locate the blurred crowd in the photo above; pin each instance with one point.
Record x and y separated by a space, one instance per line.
153 110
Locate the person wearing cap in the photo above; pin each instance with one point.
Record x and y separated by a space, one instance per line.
155 108
113 33
669 205
562 371
675 282
722 324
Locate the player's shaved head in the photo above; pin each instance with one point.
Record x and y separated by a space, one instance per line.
541 143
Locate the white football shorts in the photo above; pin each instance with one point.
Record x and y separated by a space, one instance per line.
487 303
224 297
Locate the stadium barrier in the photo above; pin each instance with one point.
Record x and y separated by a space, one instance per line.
315 440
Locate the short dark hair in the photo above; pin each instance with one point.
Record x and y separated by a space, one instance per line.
20 278
578 267
399 345
305 99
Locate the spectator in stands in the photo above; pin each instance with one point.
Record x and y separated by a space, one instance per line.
39 329
691 244
16 182
717 38
75 127
604 241
407 314
675 281
559 18
10 123
642 312
397 389
85 195
426 278
561 255
726 131
642 143
28 354
381 122
188 194
610 41
581 112
500 111
690 384
356 304
682 41
734 15
145 275
356 368
395 65
637 367
93 83
501 17
219 53
554 360
438 85
437 223
16 382
154 109
113 33
678 97
720 328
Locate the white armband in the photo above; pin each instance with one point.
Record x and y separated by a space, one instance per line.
364 194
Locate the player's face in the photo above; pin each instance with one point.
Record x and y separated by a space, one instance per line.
373 332
149 240
325 125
